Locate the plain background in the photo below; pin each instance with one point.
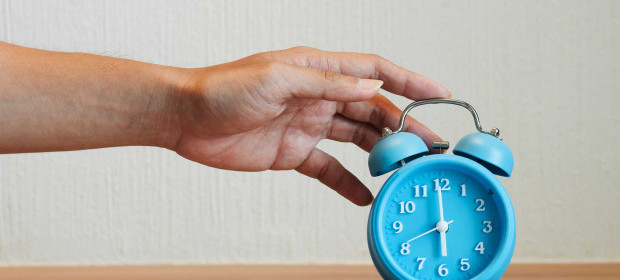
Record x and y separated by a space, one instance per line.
545 72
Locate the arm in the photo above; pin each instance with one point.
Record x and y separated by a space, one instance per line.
266 111
52 101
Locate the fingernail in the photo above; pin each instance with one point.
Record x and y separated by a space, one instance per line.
446 92
365 198
369 200
369 84
449 93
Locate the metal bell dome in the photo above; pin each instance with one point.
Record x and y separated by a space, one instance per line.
488 150
394 150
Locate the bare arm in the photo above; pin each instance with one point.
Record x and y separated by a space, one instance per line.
52 101
265 111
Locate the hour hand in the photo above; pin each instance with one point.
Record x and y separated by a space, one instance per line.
436 228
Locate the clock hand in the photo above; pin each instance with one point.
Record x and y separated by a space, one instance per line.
444 251
442 226
427 232
440 203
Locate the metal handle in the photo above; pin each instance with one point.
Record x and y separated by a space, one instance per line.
493 132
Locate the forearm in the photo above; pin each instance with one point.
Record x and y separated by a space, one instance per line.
51 101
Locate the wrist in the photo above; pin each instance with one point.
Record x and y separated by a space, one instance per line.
166 123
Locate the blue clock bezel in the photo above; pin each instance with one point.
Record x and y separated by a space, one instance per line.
383 260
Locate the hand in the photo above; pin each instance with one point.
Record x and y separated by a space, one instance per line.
436 228
269 111
266 111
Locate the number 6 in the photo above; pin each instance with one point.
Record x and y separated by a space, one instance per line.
442 270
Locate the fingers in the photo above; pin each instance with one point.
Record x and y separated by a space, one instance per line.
330 172
361 134
397 80
380 112
304 82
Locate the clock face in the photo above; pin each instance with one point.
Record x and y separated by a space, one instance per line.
440 222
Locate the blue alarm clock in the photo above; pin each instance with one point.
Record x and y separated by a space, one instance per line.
441 216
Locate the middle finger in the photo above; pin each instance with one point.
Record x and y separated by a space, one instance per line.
380 112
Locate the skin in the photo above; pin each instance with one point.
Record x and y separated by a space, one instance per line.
265 111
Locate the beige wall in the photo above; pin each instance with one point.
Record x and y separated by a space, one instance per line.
546 72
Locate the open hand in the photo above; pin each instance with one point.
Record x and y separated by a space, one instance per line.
269 111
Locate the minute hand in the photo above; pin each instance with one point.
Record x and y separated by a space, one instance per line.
442 229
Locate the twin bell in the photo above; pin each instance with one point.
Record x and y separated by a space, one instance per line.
397 148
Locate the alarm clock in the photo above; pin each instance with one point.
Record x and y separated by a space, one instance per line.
441 216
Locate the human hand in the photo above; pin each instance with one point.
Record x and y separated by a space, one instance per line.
269 111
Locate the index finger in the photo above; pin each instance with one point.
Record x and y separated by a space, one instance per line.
367 66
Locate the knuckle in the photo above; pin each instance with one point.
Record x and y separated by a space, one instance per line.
301 55
328 75
301 49
332 63
378 61
410 124
407 126
262 57
339 185
359 135
378 115
375 57
324 171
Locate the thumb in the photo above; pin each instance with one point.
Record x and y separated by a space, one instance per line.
313 83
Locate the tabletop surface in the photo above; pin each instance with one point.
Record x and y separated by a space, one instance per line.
231 272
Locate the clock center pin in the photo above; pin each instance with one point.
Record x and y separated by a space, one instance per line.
442 226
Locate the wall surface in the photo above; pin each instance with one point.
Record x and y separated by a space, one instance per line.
546 72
